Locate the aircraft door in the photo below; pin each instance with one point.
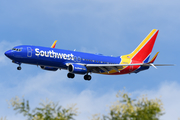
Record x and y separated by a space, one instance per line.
29 52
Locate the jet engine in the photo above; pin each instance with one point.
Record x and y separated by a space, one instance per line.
78 69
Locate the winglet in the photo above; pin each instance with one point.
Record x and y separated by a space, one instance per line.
154 58
54 44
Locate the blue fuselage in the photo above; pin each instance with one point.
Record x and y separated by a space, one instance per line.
53 57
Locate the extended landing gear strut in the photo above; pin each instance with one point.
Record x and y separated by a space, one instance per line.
19 68
70 75
87 77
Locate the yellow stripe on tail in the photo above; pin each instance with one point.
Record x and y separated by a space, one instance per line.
142 51
143 43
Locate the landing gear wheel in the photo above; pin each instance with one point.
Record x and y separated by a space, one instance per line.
70 75
19 68
87 77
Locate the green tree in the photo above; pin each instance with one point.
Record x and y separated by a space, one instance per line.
125 108
48 110
128 109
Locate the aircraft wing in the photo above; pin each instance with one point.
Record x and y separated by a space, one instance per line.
116 67
108 67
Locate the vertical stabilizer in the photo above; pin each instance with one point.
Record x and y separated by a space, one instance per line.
143 51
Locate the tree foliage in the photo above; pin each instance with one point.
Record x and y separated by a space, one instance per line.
127 108
3 118
48 110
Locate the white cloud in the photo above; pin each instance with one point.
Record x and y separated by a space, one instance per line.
93 51
58 88
169 93
46 84
113 19
90 102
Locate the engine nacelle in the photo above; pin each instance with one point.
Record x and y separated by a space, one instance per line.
78 69
48 68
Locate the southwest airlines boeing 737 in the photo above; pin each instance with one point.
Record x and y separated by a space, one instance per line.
75 62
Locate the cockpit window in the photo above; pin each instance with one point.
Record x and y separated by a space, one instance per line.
16 49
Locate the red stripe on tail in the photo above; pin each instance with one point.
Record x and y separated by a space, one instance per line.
145 51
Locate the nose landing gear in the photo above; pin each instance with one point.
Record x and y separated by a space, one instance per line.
19 67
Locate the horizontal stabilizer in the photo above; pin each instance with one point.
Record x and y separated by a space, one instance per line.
158 64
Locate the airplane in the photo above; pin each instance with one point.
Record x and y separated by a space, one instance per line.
82 63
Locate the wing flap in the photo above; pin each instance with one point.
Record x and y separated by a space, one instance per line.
108 67
115 68
118 65
111 65
104 69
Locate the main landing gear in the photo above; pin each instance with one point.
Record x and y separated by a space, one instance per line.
70 75
86 77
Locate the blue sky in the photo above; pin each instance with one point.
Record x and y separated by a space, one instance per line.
110 27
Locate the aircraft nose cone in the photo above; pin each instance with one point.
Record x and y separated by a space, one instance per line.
8 53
